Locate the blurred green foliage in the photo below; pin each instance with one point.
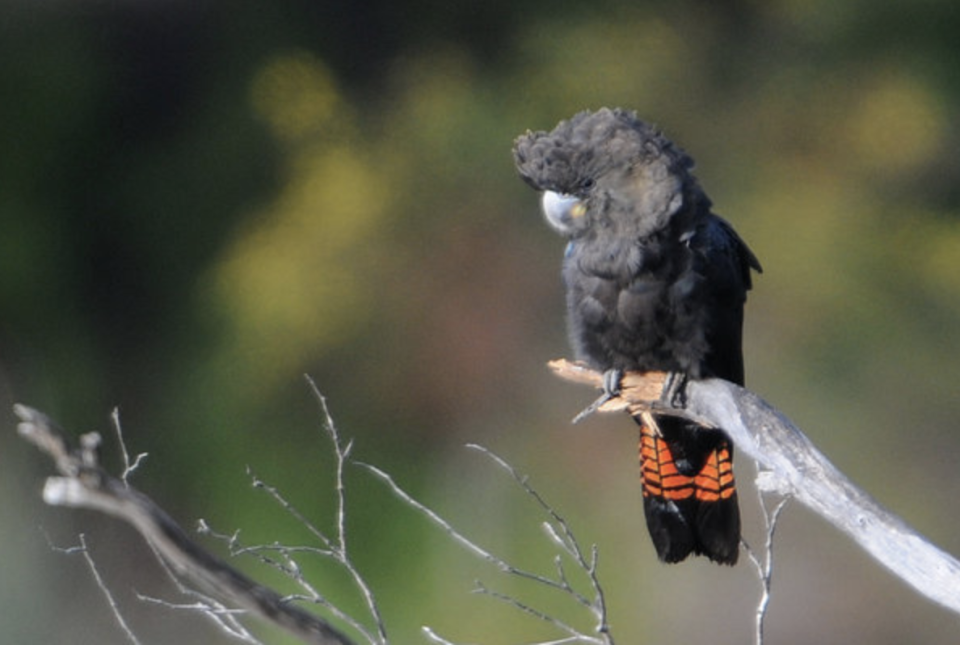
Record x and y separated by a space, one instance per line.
201 202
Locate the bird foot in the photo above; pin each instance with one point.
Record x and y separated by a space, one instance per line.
611 390
674 393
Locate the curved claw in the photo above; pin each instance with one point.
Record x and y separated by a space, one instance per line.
611 390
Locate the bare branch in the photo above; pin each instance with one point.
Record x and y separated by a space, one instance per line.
557 532
225 619
434 637
85 485
114 608
288 566
764 563
561 534
573 635
802 471
342 453
128 468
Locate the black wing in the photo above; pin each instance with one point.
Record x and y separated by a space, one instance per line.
724 262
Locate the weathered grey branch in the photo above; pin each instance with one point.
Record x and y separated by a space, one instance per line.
797 468
84 484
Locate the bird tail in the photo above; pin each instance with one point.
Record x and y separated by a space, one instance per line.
689 493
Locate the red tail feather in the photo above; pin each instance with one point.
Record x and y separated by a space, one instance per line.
690 497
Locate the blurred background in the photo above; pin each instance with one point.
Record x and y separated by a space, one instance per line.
202 202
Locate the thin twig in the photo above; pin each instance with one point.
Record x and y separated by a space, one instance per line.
433 636
84 484
286 505
104 589
225 619
448 528
764 564
342 453
558 531
572 632
566 540
128 468
289 566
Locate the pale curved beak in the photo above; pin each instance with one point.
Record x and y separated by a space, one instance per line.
562 211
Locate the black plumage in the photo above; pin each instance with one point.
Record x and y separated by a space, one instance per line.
655 281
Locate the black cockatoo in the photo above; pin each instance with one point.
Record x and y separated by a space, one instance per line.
654 281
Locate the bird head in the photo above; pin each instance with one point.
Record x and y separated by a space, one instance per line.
606 169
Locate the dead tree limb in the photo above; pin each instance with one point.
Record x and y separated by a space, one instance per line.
84 484
791 464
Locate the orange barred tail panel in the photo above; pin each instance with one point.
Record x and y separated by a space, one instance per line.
689 493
